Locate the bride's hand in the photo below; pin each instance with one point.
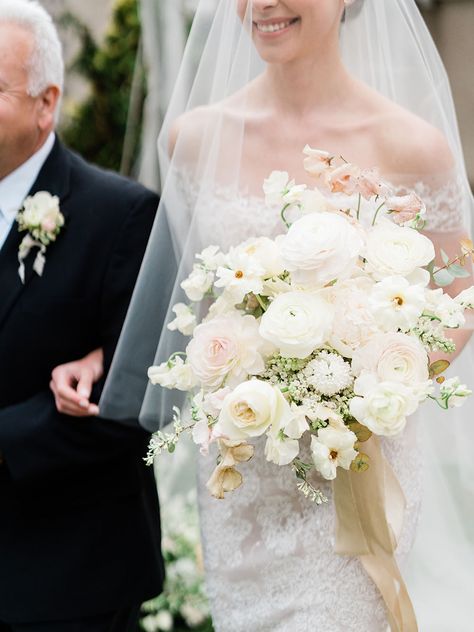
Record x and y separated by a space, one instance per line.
72 384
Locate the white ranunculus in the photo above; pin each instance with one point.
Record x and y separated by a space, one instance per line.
266 252
333 448
226 348
447 309
393 357
396 250
250 409
396 304
297 323
211 257
466 298
185 320
198 283
356 322
319 248
173 374
241 275
382 406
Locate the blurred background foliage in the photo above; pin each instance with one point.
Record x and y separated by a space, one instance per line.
105 127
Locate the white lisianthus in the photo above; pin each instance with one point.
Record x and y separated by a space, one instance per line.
382 406
226 348
454 393
243 274
185 320
173 374
198 283
466 298
393 357
297 323
396 250
211 257
250 409
316 161
396 304
333 448
266 252
447 309
356 323
319 248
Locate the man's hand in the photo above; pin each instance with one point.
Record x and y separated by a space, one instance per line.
72 384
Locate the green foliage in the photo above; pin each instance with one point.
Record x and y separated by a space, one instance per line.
96 127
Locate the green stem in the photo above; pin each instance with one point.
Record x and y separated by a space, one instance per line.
260 302
376 213
283 211
358 206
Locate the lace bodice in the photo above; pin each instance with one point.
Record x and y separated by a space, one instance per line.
268 550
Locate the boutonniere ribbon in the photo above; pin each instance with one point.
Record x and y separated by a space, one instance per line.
42 219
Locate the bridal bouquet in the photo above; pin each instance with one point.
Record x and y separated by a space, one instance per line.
320 335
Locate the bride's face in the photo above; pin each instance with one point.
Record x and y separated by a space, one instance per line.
284 31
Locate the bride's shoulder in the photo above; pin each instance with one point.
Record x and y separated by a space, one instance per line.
409 144
197 124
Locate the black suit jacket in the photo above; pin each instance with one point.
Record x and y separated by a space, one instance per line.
79 517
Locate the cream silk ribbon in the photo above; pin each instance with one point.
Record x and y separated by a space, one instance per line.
370 507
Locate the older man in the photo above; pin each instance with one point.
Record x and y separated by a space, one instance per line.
79 518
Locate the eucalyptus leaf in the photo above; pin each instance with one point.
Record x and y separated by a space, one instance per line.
458 271
438 367
444 257
442 278
361 463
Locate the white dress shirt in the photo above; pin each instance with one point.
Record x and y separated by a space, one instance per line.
16 185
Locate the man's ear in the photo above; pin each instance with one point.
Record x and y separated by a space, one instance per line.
47 103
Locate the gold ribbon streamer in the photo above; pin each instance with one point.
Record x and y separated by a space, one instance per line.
370 507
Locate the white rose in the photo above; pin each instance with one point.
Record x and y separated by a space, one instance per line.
226 348
198 283
382 406
333 448
356 322
243 274
250 409
396 250
320 248
185 320
396 304
173 374
393 357
297 323
447 309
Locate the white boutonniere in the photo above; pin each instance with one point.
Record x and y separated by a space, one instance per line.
42 219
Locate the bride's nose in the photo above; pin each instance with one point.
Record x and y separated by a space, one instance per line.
261 5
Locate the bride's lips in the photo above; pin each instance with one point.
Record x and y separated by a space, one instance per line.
274 27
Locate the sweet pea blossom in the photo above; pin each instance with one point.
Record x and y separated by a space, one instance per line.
185 320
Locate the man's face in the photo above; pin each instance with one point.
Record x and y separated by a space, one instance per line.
20 114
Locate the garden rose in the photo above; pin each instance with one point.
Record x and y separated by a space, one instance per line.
226 348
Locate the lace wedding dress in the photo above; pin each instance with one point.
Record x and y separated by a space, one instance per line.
268 550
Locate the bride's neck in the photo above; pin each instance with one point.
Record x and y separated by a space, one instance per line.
307 84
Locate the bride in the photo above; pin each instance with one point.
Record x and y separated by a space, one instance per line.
359 79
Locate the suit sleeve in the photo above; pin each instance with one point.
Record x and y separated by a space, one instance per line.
35 440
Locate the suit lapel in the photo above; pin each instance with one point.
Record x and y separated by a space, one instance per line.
54 177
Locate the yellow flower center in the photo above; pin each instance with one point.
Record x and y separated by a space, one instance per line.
333 455
239 274
398 300
244 413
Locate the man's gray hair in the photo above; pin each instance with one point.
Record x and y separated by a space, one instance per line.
46 64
